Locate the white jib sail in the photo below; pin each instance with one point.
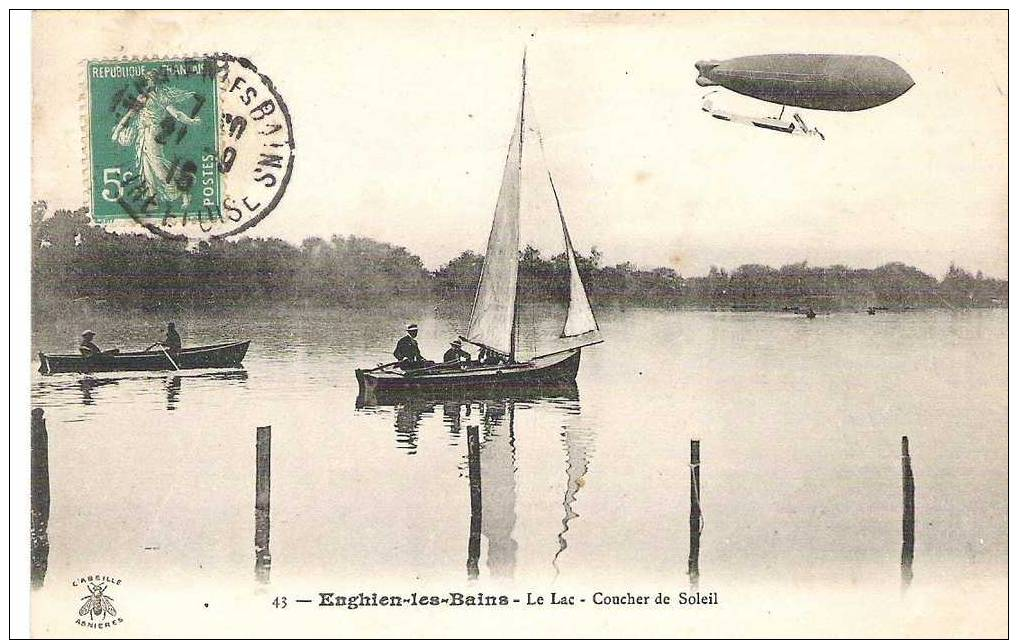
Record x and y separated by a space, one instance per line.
579 317
491 319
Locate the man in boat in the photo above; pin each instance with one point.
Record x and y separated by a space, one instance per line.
456 352
87 347
407 351
487 356
172 340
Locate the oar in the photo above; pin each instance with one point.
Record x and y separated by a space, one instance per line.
169 357
439 365
381 366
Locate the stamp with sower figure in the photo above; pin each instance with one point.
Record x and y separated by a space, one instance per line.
194 147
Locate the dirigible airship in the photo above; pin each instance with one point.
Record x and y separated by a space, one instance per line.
829 82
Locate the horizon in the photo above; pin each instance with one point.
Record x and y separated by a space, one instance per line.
605 262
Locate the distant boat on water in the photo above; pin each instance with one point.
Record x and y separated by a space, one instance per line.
494 318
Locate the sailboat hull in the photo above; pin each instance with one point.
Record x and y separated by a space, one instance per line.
551 369
430 397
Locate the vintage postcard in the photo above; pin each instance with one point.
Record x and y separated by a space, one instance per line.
517 323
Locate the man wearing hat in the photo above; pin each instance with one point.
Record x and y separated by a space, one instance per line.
456 352
407 351
88 348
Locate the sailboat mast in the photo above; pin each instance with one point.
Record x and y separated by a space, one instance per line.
519 167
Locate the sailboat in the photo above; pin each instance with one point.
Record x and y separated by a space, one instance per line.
494 317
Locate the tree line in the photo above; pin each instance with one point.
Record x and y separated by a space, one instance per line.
75 260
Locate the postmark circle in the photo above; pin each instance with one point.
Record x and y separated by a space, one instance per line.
189 148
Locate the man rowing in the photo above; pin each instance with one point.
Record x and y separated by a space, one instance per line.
172 340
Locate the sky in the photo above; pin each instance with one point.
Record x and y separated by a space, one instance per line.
401 122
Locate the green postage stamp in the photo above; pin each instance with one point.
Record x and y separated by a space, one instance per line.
154 139
188 147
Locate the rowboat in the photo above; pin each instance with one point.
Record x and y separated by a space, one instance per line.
215 356
494 316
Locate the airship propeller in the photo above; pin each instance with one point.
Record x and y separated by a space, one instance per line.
827 82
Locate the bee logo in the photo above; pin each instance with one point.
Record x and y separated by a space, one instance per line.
97 603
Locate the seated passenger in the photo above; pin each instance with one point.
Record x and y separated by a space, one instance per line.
456 352
87 347
487 356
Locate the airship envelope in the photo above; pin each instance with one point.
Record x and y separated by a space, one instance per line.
829 82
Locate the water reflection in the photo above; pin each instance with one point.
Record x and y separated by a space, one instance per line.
411 407
91 390
487 417
175 383
451 417
579 446
408 423
303 368
492 480
172 392
497 508
87 385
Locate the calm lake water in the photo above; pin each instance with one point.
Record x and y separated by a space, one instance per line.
799 421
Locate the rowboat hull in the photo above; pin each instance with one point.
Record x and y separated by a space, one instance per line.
545 370
216 356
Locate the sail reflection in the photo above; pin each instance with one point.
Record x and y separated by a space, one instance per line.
492 479
498 488
579 446
487 418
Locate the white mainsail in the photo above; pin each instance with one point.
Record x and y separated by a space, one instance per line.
493 316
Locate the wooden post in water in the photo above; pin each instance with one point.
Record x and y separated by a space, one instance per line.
474 467
263 487
695 517
40 498
907 514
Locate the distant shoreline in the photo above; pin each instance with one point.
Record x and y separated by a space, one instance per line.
74 262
